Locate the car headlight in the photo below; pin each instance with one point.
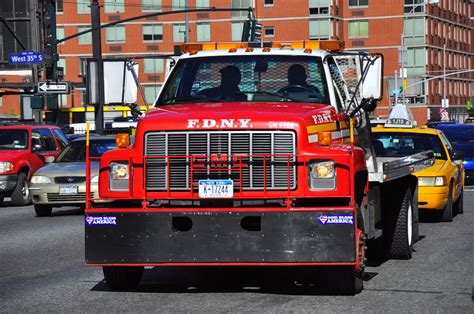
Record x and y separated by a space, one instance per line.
5 166
95 179
118 176
432 181
40 180
322 175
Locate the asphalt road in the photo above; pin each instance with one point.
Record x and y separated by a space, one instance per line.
41 270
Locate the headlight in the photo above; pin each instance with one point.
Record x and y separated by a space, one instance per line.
118 176
40 180
95 179
322 175
432 181
5 166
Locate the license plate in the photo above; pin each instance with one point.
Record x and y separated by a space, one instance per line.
216 188
68 190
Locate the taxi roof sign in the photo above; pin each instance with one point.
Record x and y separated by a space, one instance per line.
400 117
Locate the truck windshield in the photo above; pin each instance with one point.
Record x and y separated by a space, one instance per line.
238 78
393 144
11 139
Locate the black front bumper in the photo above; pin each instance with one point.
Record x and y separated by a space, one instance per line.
211 237
7 183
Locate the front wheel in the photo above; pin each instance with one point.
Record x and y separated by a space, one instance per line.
459 205
21 194
123 278
447 214
1 200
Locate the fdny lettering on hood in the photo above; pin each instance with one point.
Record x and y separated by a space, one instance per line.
219 123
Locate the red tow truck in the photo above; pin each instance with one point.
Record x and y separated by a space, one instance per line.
256 156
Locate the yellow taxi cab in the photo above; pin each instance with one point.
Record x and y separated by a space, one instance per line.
441 186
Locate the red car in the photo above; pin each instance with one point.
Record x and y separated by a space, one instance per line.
23 150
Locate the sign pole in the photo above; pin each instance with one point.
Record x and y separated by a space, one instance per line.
97 55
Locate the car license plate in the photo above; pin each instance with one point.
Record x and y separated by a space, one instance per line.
216 188
68 190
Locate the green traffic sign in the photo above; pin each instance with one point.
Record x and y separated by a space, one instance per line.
468 105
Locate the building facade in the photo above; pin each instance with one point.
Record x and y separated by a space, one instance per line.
419 38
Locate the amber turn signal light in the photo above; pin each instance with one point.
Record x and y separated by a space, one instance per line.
122 140
324 138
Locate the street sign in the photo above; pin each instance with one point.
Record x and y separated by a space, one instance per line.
25 57
53 88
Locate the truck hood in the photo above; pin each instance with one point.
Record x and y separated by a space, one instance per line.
237 115
438 169
9 155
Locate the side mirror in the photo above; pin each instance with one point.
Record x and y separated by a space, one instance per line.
458 155
36 147
373 82
49 159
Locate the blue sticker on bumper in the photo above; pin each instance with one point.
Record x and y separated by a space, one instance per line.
101 220
336 220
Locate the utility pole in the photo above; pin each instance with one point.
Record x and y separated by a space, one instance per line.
444 101
395 97
97 56
186 24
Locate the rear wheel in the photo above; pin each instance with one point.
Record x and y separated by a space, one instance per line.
341 280
21 194
43 210
400 239
123 278
447 214
459 205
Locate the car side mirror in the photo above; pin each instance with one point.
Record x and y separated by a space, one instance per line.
49 159
458 155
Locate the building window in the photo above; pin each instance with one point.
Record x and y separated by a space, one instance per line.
414 6
114 6
242 4
59 6
203 32
85 39
416 61
268 3
151 5
414 31
83 7
319 29
269 31
237 31
151 91
62 64
359 29
60 33
152 33
359 3
179 5
179 31
152 65
82 66
202 3
115 34
319 7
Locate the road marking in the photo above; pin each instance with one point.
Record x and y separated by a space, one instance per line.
469 188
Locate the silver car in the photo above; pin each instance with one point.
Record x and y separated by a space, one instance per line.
63 181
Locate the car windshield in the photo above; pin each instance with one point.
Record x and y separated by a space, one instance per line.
393 144
11 139
246 79
76 151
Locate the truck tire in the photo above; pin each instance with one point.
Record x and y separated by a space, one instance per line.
342 280
43 210
123 278
1 200
459 205
21 194
400 239
447 214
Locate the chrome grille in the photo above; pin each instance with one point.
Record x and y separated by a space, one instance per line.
56 197
68 180
263 152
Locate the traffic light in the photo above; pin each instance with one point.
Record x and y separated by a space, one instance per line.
256 32
246 31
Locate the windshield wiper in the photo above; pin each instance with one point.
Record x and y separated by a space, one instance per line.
173 100
283 96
